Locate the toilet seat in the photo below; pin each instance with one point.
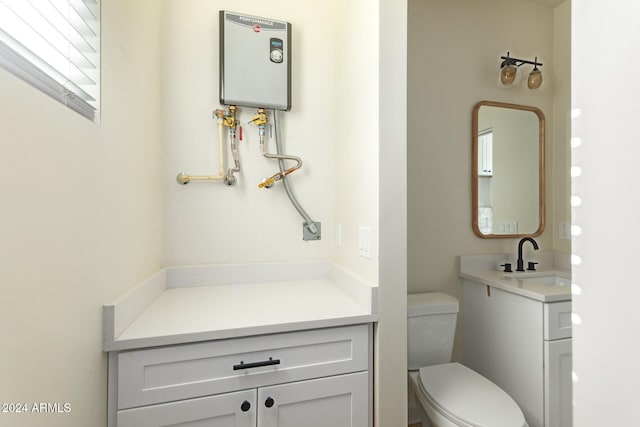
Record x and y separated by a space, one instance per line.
466 398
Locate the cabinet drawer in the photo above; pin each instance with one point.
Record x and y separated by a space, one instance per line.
165 374
557 320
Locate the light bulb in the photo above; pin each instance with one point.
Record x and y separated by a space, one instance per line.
508 74
535 79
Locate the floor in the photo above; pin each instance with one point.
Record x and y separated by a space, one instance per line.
415 425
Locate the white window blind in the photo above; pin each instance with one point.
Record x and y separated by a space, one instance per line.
55 46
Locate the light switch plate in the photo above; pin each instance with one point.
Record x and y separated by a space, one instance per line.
364 242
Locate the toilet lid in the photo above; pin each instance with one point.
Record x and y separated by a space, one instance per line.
463 394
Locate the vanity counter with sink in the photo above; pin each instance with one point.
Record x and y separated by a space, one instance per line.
541 285
549 283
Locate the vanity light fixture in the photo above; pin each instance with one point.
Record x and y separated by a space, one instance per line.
509 71
535 76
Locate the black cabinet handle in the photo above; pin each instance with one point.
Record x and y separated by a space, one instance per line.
245 406
269 362
269 402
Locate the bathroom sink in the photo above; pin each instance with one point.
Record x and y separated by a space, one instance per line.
548 280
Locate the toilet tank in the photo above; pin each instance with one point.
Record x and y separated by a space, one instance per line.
431 327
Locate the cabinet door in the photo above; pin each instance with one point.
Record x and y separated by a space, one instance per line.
557 383
224 410
502 340
340 401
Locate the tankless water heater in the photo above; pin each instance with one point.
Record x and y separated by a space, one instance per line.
255 61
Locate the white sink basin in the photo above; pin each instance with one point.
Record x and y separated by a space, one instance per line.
549 280
537 279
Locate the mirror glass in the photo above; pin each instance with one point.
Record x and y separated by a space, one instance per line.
507 170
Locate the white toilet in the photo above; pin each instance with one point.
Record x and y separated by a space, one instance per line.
450 394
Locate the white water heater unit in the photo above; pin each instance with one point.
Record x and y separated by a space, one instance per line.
255 61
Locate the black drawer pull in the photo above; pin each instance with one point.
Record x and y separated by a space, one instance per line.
269 362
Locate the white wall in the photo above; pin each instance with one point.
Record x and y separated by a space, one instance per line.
80 220
559 189
355 122
332 126
391 356
605 346
454 57
89 212
213 223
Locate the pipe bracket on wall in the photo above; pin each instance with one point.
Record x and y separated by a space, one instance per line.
307 234
223 118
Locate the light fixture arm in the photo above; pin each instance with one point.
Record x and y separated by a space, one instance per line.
518 62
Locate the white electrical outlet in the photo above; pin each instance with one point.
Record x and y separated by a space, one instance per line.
339 235
364 242
508 226
564 232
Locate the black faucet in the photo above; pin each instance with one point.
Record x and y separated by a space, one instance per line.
520 260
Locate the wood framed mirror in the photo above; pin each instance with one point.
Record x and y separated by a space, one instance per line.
508 170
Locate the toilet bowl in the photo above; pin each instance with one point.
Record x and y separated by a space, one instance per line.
453 395
450 394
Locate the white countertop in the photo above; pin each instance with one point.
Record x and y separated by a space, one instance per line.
514 283
486 270
195 304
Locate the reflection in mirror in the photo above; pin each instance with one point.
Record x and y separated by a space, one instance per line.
508 170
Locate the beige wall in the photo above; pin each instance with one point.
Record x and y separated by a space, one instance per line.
454 50
81 220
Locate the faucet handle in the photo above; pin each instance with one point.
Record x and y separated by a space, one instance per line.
532 266
507 267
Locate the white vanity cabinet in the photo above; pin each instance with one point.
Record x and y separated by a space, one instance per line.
319 377
524 346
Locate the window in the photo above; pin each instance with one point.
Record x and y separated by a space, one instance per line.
55 46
